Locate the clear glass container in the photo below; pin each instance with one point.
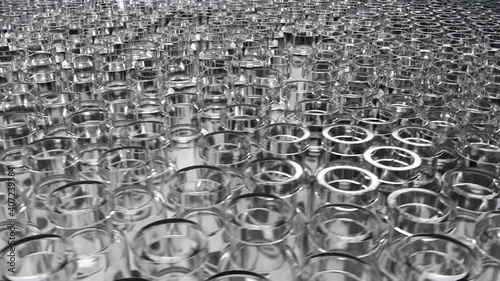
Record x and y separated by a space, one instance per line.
182 149
154 136
181 108
41 257
246 118
115 166
315 115
451 258
395 167
337 266
15 230
198 193
171 248
474 192
58 106
51 157
91 131
82 212
118 102
479 149
427 143
415 210
379 121
345 183
17 129
128 174
284 178
230 151
259 226
485 230
345 142
197 187
345 228
298 90
287 141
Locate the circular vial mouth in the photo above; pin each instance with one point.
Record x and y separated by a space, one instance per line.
348 179
251 217
392 158
486 231
337 265
50 256
80 204
345 227
472 189
171 243
284 138
451 259
275 175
